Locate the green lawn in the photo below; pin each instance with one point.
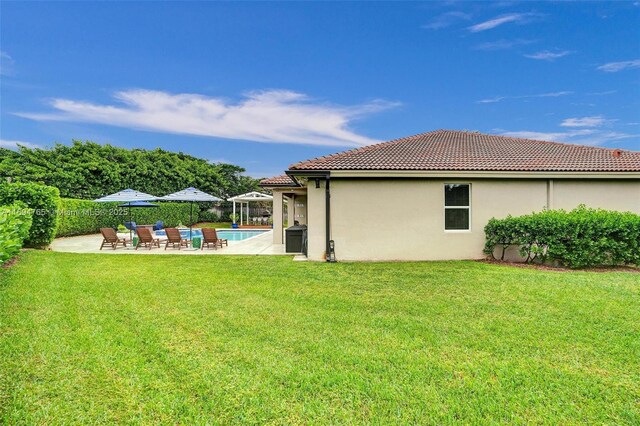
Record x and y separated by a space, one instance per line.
217 339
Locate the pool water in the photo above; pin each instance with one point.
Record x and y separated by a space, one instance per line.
227 234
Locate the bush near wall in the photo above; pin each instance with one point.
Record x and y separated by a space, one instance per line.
79 217
580 238
45 202
15 222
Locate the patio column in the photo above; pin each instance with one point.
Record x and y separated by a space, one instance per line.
277 217
234 210
291 210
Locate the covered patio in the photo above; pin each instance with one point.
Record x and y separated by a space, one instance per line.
244 214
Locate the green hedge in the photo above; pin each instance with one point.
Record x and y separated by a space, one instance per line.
44 200
15 222
79 217
580 238
207 216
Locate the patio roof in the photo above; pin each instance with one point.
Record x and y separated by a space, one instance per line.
251 196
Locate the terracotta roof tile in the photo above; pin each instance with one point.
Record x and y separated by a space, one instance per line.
278 181
462 150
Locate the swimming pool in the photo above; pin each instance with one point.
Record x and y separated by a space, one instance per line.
228 234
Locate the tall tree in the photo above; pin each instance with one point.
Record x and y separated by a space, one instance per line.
89 170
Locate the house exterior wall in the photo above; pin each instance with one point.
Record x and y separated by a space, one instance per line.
610 195
316 214
403 219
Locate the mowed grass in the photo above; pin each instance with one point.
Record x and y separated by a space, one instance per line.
219 340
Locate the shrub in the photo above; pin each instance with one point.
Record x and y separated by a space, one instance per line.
15 222
79 217
207 216
44 200
580 238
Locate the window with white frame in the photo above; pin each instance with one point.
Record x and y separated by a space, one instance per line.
457 206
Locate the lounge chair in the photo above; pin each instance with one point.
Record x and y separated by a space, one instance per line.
174 238
146 239
131 226
158 226
111 238
210 236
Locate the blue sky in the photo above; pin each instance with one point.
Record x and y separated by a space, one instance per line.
263 85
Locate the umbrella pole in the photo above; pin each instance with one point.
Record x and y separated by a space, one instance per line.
191 221
130 223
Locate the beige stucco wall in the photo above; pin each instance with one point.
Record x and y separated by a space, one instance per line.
404 219
316 222
277 217
611 195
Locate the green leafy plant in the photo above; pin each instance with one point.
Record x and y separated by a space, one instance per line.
207 216
87 170
45 202
15 222
580 238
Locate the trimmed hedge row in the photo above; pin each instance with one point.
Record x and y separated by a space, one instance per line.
79 217
580 238
207 216
45 202
15 222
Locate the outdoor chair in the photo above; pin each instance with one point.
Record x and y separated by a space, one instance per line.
210 236
131 226
111 238
175 239
146 239
158 226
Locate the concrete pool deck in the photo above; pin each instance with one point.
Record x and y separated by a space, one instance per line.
261 244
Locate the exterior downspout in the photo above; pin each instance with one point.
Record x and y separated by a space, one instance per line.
327 194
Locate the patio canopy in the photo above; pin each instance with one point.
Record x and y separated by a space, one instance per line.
128 196
192 195
246 198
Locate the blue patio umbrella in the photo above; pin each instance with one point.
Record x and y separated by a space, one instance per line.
192 195
127 196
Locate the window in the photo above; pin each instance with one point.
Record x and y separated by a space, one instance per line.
457 206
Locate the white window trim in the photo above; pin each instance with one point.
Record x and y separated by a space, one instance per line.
444 202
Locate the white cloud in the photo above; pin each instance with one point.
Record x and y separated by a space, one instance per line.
593 121
502 44
619 66
275 116
6 64
548 136
446 20
539 95
500 20
547 55
605 93
581 136
491 100
13 144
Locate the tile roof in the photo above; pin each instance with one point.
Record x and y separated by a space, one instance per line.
282 180
463 150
